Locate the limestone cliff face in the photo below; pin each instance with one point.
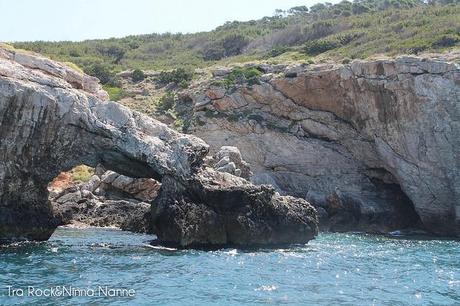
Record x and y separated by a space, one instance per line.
359 137
53 118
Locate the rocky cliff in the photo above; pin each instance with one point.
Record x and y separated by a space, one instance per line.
53 118
374 145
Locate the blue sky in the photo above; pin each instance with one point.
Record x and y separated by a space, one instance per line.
86 19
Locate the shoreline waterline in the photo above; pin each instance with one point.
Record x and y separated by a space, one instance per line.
358 269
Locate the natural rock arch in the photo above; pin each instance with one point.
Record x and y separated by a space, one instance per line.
52 119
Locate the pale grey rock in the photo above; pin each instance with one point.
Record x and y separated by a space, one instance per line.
228 159
92 184
220 72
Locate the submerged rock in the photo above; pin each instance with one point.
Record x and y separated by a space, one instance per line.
51 121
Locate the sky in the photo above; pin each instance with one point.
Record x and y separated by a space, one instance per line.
54 20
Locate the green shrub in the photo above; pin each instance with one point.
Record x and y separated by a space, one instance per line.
167 102
137 75
319 46
249 76
102 72
277 51
444 41
213 53
234 44
184 84
177 76
417 49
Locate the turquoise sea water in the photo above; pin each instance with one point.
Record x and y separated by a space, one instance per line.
334 269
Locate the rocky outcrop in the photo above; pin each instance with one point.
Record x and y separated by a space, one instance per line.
86 208
228 159
50 122
108 199
373 144
220 209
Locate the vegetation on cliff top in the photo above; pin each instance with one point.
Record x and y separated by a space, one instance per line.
357 29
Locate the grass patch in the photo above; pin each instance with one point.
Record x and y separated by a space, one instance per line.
74 67
81 174
115 93
6 46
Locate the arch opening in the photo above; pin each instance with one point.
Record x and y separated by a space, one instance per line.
86 196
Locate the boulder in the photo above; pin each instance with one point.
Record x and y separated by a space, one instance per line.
228 159
219 209
127 215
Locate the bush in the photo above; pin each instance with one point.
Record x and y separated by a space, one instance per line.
234 44
239 75
446 41
213 53
73 66
277 51
417 49
137 75
167 102
102 72
319 29
179 76
230 45
319 46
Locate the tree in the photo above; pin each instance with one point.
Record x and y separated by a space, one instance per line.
213 52
317 8
116 53
298 10
137 75
113 51
279 13
101 72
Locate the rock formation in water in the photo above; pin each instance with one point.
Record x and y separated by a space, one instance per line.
110 199
374 145
53 118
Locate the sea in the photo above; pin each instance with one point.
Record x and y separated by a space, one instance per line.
98 266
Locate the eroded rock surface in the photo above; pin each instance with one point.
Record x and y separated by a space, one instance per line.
108 199
51 122
220 209
228 159
377 138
